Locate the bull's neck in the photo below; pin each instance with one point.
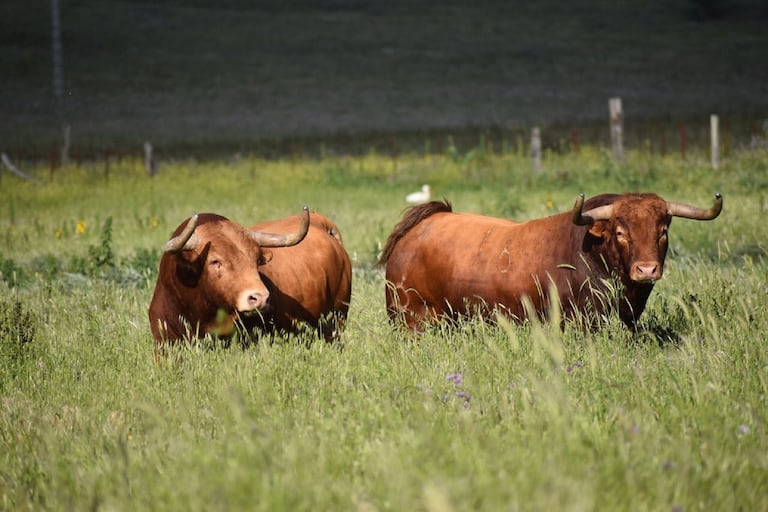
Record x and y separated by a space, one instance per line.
588 251
595 254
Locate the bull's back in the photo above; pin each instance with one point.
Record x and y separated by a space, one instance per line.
311 279
451 262
448 237
442 261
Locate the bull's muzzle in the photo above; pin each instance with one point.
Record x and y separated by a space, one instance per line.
251 302
646 272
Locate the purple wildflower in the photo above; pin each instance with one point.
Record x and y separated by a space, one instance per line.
456 378
743 430
464 394
425 389
571 367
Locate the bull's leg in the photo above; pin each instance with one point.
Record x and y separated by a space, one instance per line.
407 306
331 326
416 318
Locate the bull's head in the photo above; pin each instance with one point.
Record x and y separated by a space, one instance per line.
220 260
634 228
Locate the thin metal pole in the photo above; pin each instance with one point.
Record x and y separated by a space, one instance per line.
58 67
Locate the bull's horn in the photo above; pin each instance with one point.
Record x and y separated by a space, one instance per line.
184 241
287 240
588 218
693 212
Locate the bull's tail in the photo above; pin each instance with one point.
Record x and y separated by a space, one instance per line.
411 218
328 226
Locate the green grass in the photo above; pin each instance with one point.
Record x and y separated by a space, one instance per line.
671 418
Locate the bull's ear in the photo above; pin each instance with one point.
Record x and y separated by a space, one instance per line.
265 257
599 229
188 271
189 266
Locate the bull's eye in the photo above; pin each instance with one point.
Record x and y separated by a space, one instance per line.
622 235
216 263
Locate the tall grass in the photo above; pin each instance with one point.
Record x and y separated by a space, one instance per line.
473 416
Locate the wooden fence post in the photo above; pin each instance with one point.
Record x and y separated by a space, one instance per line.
66 133
149 159
683 140
53 161
107 155
536 148
714 137
754 135
394 151
617 127
575 140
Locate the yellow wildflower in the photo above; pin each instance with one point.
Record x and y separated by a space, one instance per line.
80 229
153 221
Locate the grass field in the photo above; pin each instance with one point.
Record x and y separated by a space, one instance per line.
477 417
266 76
258 108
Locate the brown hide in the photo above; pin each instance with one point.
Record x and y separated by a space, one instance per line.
201 290
310 282
303 282
440 263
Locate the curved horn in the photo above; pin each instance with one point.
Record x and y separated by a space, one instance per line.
287 240
693 212
588 218
184 241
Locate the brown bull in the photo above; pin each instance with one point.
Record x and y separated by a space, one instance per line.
440 263
215 275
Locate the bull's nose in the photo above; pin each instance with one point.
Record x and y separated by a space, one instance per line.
253 300
646 271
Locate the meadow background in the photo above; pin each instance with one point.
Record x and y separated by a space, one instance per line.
472 417
504 417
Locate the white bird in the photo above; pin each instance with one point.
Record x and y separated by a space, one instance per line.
419 197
